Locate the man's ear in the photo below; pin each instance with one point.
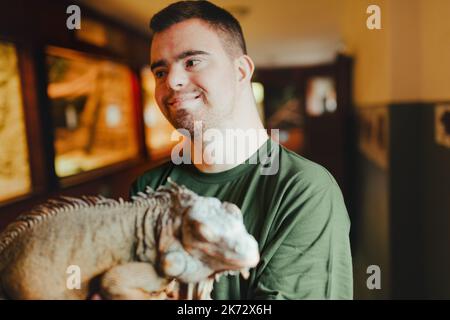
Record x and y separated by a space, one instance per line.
245 67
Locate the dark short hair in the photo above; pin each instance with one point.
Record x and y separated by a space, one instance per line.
218 18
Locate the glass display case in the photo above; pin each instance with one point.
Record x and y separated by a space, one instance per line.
92 110
284 112
14 165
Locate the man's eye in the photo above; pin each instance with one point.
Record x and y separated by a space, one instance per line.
192 63
159 74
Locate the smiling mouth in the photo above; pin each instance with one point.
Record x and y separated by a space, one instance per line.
182 100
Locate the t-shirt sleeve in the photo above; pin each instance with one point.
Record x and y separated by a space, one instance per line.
309 257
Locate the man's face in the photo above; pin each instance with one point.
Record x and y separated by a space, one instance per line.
195 77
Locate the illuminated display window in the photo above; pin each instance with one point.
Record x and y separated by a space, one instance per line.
14 165
92 111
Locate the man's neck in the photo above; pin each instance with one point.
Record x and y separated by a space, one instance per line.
231 144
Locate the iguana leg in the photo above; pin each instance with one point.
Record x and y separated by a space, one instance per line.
196 291
136 281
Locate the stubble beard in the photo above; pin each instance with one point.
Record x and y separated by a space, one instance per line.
208 119
182 119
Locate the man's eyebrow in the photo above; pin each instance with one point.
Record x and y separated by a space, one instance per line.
157 64
183 55
189 53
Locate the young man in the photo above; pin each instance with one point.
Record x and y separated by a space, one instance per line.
293 207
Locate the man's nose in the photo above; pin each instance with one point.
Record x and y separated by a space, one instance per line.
177 78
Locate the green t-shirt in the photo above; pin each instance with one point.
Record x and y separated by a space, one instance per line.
297 215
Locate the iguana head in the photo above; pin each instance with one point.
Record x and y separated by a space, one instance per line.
211 240
215 232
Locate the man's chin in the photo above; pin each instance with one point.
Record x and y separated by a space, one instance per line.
184 127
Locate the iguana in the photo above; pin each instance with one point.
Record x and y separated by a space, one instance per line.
150 247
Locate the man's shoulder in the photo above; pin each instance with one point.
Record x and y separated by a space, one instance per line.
304 172
312 188
157 171
153 177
